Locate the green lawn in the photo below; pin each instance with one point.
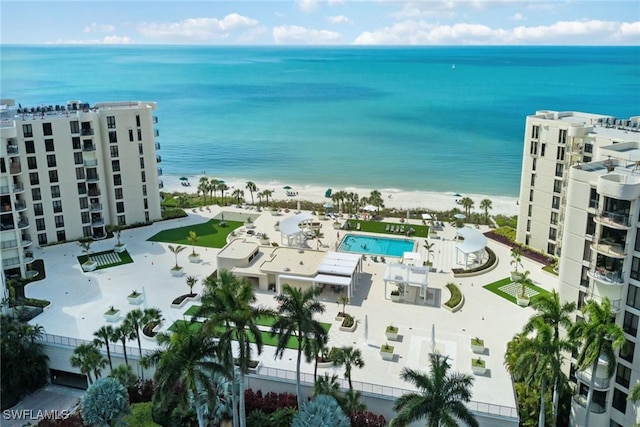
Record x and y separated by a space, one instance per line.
380 227
210 234
125 258
495 288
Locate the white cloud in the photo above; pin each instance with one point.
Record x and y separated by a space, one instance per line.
293 34
105 40
517 17
198 29
413 10
102 28
307 6
334 2
339 19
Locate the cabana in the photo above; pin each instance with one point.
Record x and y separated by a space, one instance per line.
413 280
473 244
291 233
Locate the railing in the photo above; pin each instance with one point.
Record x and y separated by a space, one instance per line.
11 262
4 189
20 206
596 408
93 177
160 184
13 149
599 383
8 244
96 207
156 133
97 222
14 169
159 171
88 147
158 159
609 247
91 163
607 276
18 187
157 145
25 240
75 342
613 218
94 193
86 131
23 223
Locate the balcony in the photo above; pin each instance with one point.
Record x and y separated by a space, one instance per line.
94 193
157 145
95 207
15 168
609 247
160 184
13 150
158 159
25 240
4 190
11 262
89 147
18 188
607 277
28 257
97 222
86 131
159 171
91 163
23 223
7 225
93 177
596 408
155 119
616 220
9 244
156 133
21 206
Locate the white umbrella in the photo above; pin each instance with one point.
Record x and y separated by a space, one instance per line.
433 338
459 216
328 205
370 208
366 330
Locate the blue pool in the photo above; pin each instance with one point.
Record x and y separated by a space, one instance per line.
376 245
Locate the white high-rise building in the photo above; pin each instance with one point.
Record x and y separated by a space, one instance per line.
69 171
580 200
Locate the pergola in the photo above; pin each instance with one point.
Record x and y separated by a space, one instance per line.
473 244
291 231
407 275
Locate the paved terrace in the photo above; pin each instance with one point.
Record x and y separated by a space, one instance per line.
80 299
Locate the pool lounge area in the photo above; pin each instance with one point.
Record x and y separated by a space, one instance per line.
370 245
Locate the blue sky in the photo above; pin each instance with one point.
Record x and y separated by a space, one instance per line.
316 22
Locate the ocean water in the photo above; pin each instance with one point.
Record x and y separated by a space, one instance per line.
435 118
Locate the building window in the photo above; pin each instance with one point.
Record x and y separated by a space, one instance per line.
75 141
535 131
562 136
530 210
534 148
543 149
82 188
77 158
555 202
534 163
594 198
118 192
30 147
115 165
623 375
551 248
53 176
32 163
139 134
35 194
33 178
557 186
141 162
48 145
40 226
27 131
591 225
560 153
60 234
140 149
114 150
37 209
113 136
119 207
59 219
122 220
51 160
554 218
533 179
117 179
74 125
637 245
528 225
627 350
87 231
146 216
84 202
144 189
46 129
559 169
588 148
138 120
130 135
146 203
630 323
42 238
80 173
527 239
111 122
619 400
85 217
143 176
531 195
57 206
633 296
553 233
55 191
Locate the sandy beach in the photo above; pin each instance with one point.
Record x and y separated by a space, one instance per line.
393 198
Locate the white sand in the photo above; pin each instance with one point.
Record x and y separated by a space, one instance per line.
393 198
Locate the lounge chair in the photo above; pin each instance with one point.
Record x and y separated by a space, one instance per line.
388 227
402 229
358 226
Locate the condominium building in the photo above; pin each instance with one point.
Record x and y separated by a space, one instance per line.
69 171
555 141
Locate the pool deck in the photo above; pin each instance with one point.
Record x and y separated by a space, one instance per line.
80 299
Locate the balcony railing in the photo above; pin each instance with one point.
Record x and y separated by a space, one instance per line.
95 207
4 189
156 133
160 184
614 278
157 145
97 222
8 244
86 131
619 220
15 169
23 223
159 171
25 240
596 408
93 177
21 206
609 247
158 159
94 193
18 188
13 150
91 163
11 262
88 147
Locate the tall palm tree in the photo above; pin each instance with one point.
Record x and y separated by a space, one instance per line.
203 187
429 247
296 310
467 204
375 198
238 194
103 337
313 349
89 359
441 398
600 336
348 357
485 205
135 321
123 333
266 194
185 364
228 301
222 187
251 186
550 311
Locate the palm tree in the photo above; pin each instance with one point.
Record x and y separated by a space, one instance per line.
135 321
467 204
329 386
550 311
429 247
85 244
191 282
251 187
176 250
203 187
227 302
89 359
600 336
296 311
313 349
214 185
103 337
238 194
266 194
123 333
348 357
375 198
185 364
441 398
193 239
485 204
222 187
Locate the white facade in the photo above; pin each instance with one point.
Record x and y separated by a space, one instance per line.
69 171
553 142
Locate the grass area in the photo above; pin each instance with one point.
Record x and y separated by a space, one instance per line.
380 227
125 258
268 322
495 288
210 234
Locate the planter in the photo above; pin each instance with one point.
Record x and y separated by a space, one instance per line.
154 330
348 328
478 366
264 241
112 315
515 276
177 272
386 352
194 258
120 248
396 297
184 299
391 333
89 266
339 318
249 225
337 226
135 298
522 301
276 227
477 346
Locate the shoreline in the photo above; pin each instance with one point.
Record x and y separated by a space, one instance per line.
393 197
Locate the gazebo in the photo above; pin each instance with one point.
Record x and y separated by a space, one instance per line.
290 229
413 280
473 244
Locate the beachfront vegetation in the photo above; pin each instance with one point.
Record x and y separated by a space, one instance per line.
105 403
348 357
210 234
88 359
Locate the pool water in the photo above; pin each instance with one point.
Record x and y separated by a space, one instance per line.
376 245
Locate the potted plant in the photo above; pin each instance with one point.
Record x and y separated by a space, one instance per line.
391 333
89 264
522 299
477 345
135 297
176 270
276 226
344 300
112 315
249 223
478 366
397 295
348 323
336 225
516 261
193 239
119 246
264 239
386 351
191 282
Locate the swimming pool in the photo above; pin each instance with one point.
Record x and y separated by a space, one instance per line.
376 245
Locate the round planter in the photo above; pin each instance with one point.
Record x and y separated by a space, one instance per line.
177 272
89 266
264 241
120 248
522 302
194 258
515 276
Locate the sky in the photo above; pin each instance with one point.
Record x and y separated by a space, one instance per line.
321 22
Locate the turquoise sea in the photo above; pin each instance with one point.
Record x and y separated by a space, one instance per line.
433 118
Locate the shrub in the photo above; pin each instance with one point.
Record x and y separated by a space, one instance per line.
172 213
106 401
141 391
367 419
348 320
73 420
269 403
456 295
323 411
141 415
